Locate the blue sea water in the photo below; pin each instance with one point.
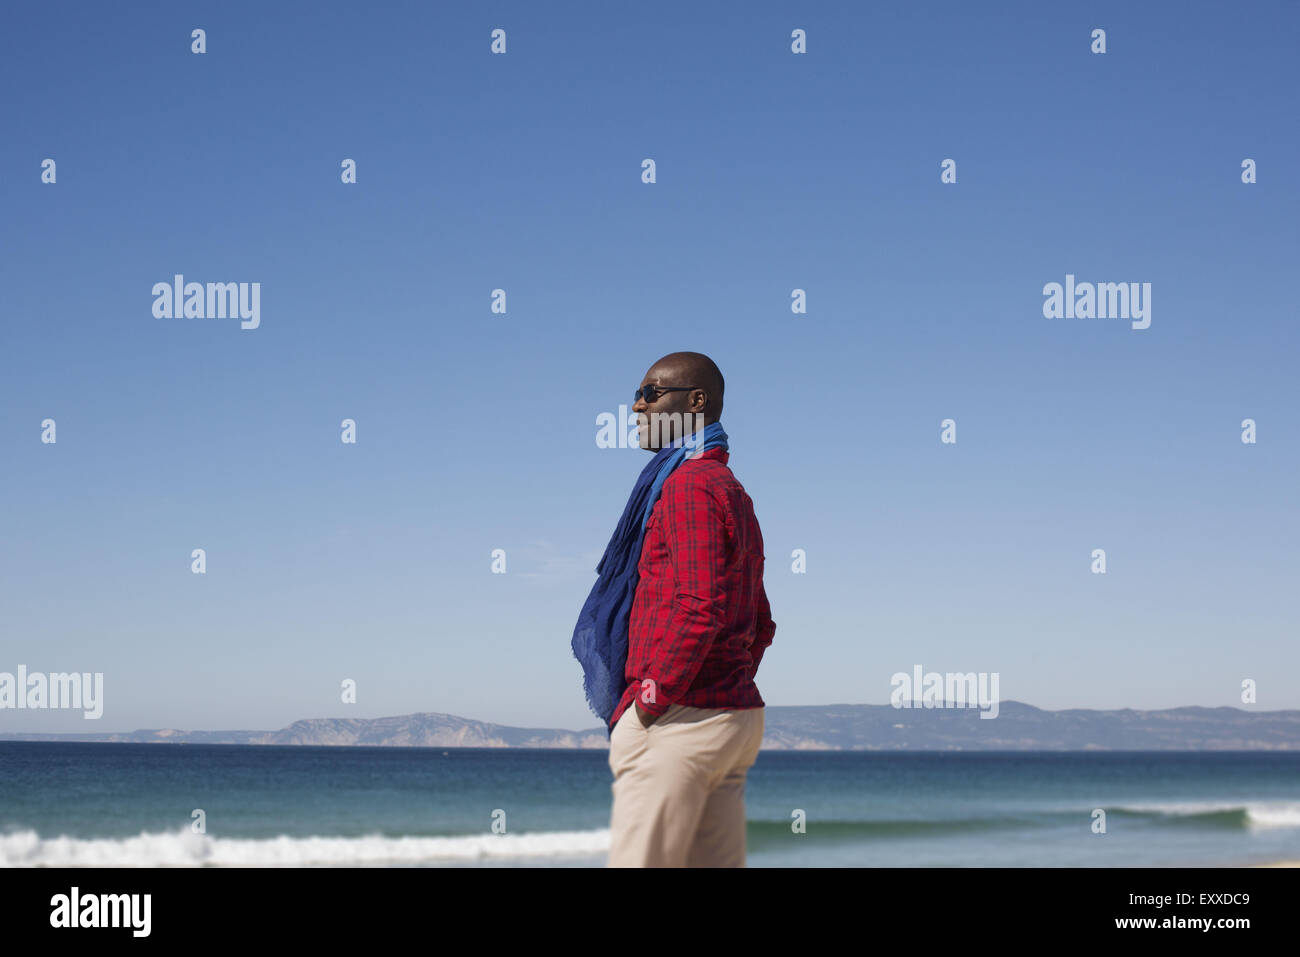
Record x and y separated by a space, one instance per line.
69 804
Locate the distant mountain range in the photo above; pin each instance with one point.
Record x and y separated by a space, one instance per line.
838 727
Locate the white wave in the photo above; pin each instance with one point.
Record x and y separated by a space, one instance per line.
1262 815
184 848
1273 815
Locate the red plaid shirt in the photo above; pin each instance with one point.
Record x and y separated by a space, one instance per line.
700 619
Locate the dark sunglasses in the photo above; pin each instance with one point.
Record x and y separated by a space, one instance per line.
652 392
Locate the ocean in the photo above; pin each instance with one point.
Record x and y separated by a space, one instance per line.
73 804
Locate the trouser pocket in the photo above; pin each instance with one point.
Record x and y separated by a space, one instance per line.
626 740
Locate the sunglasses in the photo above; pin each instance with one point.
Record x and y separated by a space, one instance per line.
652 392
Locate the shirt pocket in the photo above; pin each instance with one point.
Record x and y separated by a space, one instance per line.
654 542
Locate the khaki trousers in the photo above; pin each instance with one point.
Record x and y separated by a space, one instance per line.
679 786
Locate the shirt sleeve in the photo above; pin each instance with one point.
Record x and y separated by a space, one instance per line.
766 629
696 532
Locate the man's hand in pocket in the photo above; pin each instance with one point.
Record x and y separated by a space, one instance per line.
646 717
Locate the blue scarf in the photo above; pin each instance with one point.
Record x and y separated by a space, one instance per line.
600 638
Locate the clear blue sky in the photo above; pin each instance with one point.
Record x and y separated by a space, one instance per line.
477 431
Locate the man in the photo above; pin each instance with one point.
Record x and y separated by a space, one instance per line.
690 720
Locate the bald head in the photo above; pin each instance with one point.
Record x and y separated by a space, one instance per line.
697 370
696 386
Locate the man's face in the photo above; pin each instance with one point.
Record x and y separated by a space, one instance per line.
657 426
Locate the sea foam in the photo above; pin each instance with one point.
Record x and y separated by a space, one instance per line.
1257 814
184 848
